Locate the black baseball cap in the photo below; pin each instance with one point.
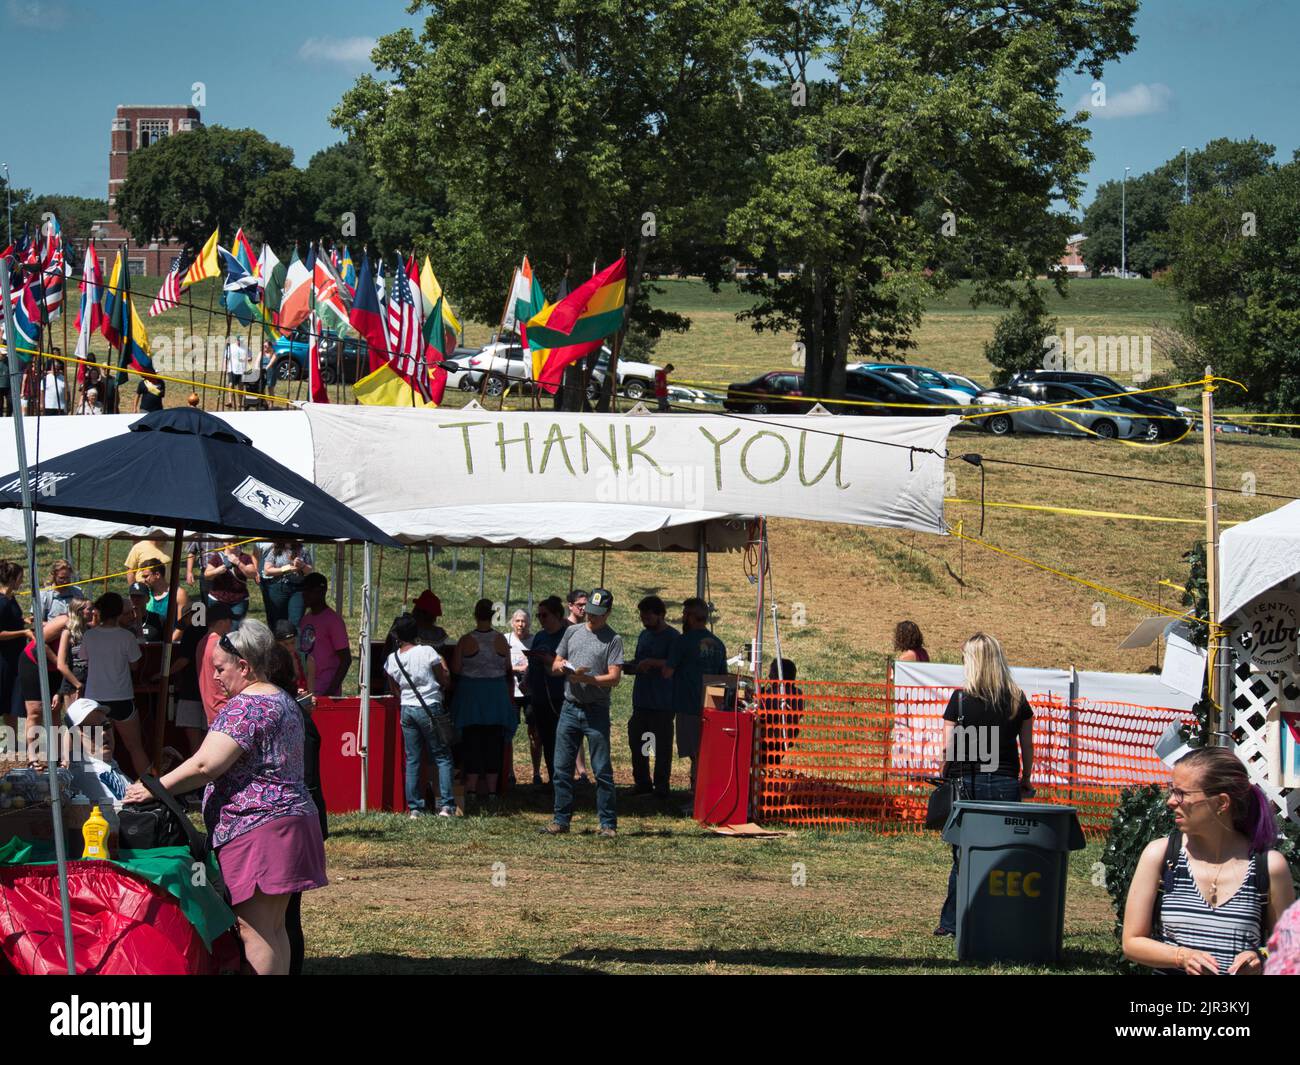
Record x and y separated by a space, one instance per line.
285 629
600 601
138 588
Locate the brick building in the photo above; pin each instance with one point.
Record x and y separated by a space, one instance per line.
138 126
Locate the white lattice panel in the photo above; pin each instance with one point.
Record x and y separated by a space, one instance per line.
1254 695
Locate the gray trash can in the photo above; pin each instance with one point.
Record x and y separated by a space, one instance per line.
1011 878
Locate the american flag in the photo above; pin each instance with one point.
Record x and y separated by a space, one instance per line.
53 271
170 291
405 336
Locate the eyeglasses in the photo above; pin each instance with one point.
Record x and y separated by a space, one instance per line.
1177 796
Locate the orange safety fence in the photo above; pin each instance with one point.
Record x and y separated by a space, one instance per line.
832 753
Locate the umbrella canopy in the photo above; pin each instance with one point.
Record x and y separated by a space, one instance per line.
185 468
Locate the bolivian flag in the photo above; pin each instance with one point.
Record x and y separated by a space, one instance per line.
122 327
591 312
384 388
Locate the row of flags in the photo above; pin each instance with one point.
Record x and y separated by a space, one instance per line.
405 318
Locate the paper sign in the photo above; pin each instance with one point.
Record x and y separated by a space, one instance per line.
1184 665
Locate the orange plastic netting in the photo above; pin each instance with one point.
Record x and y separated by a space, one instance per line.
832 753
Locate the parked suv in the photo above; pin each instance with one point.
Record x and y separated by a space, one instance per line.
1085 416
348 356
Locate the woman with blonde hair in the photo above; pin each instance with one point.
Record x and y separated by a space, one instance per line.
987 741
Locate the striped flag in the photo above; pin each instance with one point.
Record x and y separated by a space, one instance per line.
54 270
170 291
90 317
206 265
406 335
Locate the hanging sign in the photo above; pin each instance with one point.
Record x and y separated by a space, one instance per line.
1268 631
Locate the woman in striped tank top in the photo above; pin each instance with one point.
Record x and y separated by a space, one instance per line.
1220 893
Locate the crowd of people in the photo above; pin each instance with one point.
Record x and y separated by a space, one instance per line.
462 700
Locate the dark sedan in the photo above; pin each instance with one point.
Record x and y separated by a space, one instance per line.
773 393
880 393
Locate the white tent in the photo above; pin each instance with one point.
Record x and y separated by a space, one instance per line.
521 479
1257 555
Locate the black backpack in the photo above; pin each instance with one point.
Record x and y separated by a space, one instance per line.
1172 849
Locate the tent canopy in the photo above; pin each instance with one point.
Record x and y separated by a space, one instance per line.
530 479
1256 556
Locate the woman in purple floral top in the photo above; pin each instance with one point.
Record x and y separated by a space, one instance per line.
260 816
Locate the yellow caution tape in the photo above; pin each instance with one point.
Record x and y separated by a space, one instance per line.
1075 512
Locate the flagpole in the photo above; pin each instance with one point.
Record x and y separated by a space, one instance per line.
38 627
63 313
203 392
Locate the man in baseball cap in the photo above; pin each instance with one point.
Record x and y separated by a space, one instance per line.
590 657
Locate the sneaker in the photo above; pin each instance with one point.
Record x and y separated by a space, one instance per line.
605 832
446 811
941 931
414 815
553 829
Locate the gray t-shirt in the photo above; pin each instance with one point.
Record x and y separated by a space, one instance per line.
597 651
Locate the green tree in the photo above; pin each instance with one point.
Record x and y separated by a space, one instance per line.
1019 338
570 131
181 187
934 123
1152 198
1234 259
75 213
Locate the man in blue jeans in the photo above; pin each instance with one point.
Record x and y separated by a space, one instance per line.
590 658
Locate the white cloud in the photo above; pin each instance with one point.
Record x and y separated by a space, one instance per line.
336 49
1141 99
36 14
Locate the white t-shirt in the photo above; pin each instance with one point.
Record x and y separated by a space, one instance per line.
419 662
109 653
56 393
237 358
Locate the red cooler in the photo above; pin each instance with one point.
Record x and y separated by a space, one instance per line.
723 772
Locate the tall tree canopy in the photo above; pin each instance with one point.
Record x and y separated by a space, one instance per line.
1143 211
180 187
936 136
569 130
1234 258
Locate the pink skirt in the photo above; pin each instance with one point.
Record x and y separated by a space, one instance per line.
277 858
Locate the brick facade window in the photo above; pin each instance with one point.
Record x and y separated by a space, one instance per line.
152 129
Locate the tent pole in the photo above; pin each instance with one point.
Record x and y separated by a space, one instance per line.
406 581
482 558
530 584
365 674
169 627
428 566
757 655
573 566
701 564
510 572
38 626
338 579
602 567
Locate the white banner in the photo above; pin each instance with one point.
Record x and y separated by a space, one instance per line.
862 471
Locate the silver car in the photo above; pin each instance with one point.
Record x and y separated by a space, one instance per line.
1089 416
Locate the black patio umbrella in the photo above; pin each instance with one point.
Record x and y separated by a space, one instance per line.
187 469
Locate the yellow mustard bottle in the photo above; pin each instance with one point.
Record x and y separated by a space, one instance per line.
95 833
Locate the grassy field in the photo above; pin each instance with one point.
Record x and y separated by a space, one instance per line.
418 897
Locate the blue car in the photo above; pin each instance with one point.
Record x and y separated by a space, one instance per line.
346 359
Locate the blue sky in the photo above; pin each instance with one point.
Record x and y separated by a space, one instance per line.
1202 69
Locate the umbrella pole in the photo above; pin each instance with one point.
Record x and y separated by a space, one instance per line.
169 627
38 626
365 674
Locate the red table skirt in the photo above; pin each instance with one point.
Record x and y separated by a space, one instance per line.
339 723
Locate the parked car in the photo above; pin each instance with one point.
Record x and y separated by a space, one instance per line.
895 395
1103 417
961 383
1171 420
636 380
503 363
922 377
683 396
348 356
772 393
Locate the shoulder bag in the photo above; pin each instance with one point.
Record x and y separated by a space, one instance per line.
441 719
